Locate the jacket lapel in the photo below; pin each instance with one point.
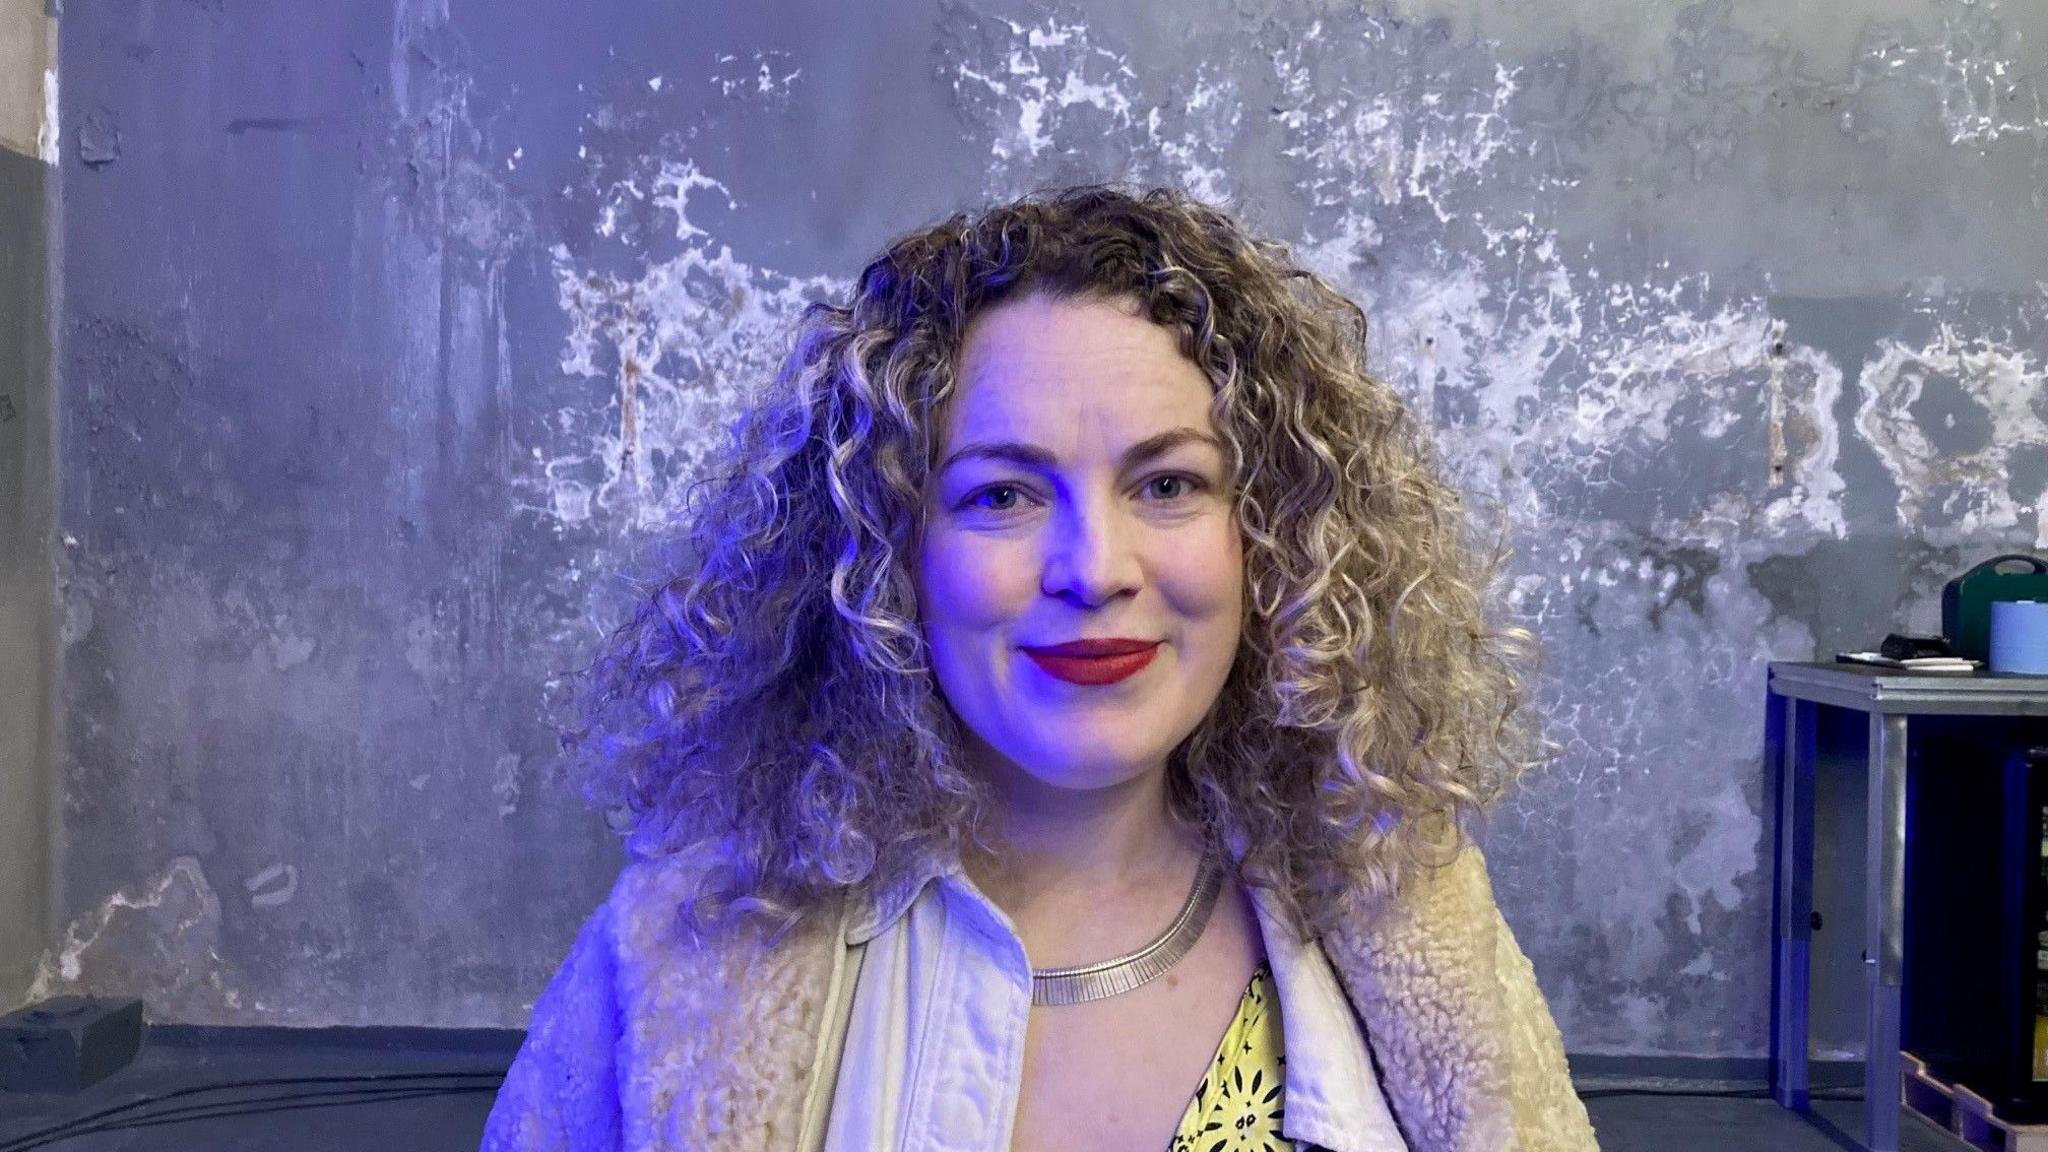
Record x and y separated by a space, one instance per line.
720 1039
1420 970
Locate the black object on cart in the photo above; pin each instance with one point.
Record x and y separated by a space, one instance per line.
1975 1001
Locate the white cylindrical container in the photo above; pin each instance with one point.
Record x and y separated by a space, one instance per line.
2019 637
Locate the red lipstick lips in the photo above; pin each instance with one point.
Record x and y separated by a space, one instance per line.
1094 662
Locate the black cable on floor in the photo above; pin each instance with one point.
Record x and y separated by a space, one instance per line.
1720 1093
395 1082
393 1088
290 1103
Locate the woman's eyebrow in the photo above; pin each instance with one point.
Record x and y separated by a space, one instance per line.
1033 456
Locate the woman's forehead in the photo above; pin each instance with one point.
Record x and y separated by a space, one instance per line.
1038 325
1066 361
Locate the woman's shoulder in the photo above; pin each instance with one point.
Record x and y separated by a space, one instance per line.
645 920
650 889
740 1011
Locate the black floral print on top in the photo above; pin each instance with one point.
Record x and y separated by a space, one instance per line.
1239 1103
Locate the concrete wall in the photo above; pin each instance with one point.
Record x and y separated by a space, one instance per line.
392 333
28 672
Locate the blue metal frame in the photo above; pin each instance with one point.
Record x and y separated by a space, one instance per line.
1793 696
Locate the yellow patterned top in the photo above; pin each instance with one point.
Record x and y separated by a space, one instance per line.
1237 1107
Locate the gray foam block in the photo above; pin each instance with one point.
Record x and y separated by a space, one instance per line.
67 1043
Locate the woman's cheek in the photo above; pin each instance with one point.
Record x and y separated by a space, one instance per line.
974 580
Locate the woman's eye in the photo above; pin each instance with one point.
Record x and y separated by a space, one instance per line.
1186 481
976 498
1186 486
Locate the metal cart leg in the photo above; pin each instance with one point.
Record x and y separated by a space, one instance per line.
1789 745
1884 907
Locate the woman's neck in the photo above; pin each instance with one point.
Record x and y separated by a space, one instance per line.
1084 874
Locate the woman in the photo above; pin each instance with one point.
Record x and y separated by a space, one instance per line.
1070 734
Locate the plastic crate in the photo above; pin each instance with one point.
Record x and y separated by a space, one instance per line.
1963 1112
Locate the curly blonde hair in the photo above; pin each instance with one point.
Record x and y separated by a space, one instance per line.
768 707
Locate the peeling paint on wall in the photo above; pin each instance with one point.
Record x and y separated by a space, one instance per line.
1993 385
1984 91
677 343
274 886
170 921
48 131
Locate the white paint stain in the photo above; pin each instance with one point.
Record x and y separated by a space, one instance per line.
608 220
1733 831
1568 372
1982 92
424 648
1812 479
1195 145
1048 90
675 342
761 81
505 783
1039 89
1705 964
264 889
47 128
410 20
288 652
672 188
1425 148
182 887
1967 493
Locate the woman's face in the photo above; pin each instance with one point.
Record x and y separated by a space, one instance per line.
1086 543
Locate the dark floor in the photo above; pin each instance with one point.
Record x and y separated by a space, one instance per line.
441 1121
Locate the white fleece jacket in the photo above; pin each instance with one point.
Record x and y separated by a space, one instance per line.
644 1043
